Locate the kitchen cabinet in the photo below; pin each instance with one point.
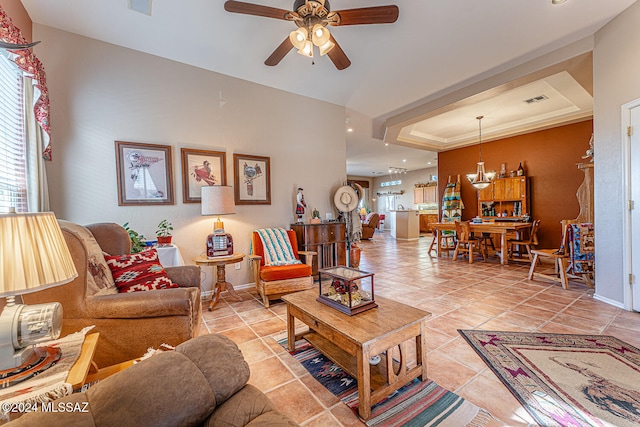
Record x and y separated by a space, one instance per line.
423 195
425 222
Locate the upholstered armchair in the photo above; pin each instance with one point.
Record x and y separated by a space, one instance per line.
274 281
128 323
370 224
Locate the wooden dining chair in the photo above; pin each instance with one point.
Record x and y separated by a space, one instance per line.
467 242
529 243
448 241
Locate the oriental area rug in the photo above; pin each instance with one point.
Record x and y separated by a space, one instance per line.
415 405
565 380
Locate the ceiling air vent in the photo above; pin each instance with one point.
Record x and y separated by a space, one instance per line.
535 99
142 6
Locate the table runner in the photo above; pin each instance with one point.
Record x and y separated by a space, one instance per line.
50 384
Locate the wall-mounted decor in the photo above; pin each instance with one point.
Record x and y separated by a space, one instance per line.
201 168
145 174
252 180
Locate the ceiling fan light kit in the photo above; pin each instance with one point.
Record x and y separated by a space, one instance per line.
312 18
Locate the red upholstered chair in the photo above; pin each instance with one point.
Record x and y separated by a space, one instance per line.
272 282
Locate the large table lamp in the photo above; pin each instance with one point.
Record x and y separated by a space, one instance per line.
218 200
33 256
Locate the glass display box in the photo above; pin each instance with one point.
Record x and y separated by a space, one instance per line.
346 289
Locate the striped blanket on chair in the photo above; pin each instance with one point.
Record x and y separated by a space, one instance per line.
277 247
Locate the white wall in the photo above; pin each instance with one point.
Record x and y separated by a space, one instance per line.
408 184
616 66
101 93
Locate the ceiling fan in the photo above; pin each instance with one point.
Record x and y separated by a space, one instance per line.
312 18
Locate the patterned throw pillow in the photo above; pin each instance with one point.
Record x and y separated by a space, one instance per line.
139 272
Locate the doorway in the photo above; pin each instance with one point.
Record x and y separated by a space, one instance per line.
631 152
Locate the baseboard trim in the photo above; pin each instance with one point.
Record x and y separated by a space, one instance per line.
609 301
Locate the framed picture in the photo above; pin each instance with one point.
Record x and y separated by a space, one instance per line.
251 179
201 168
144 174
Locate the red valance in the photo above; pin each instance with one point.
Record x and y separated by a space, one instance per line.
27 61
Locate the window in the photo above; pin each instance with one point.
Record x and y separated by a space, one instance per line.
13 182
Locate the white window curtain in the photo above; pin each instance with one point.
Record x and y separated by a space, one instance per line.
36 141
22 178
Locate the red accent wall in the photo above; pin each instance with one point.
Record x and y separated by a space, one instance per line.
18 15
549 158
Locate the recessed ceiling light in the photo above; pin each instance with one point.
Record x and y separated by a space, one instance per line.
404 160
558 1
350 130
428 163
386 144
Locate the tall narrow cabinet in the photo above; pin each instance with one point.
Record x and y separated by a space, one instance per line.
329 240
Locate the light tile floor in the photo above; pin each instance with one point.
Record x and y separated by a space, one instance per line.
482 295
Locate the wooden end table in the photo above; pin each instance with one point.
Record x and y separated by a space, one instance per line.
221 283
350 341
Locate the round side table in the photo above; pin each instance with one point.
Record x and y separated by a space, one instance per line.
221 283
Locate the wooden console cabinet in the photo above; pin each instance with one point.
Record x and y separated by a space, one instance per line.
510 195
329 240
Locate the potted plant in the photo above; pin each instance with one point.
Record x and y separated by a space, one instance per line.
164 232
137 240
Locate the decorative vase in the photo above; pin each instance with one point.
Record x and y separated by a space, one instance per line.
354 256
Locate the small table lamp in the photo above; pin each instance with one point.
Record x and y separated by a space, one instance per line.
218 200
33 256
363 213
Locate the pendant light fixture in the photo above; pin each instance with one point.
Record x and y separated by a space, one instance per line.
480 179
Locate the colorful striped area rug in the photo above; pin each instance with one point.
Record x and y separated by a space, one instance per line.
416 404
565 379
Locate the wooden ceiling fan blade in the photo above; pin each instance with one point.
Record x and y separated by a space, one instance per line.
7 45
338 57
256 10
368 15
280 52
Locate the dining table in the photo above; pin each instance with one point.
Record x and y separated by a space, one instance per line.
503 228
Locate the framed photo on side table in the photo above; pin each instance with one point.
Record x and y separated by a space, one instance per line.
201 168
144 174
251 179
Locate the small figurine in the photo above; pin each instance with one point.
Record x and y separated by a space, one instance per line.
300 206
589 153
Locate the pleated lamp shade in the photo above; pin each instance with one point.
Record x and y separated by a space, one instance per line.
33 253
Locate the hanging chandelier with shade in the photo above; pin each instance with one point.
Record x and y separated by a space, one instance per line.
480 179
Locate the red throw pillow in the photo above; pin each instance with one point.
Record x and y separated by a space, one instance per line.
139 272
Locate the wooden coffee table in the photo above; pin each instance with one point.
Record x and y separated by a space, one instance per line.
350 341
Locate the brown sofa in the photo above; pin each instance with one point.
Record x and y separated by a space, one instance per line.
202 383
370 224
128 323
